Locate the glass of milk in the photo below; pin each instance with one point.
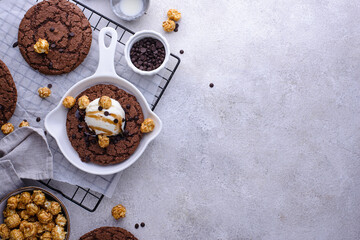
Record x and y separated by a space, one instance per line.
129 9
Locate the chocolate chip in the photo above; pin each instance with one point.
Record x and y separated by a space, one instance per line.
100 108
136 226
123 120
181 51
128 106
38 119
87 159
176 27
53 45
211 85
71 34
73 136
126 132
25 120
136 118
15 44
106 113
52 29
49 85
80 127
61 50
50 65
116 121
45 132
142 224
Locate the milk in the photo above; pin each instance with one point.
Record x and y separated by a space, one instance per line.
131 7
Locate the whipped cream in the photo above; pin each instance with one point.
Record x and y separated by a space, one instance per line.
105 121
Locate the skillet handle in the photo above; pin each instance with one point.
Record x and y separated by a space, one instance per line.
107 54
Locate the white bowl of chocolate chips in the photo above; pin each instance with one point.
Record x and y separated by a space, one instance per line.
147 52
55 121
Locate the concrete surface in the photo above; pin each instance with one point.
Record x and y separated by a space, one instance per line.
272 151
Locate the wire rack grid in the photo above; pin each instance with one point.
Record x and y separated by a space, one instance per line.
152 89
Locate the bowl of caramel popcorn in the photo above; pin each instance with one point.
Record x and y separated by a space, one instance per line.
33 213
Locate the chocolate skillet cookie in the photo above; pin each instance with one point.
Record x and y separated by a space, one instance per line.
108 233
121 146
8 94
65 31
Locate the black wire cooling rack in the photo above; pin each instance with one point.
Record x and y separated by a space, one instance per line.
84 197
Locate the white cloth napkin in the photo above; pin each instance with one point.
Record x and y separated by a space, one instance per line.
24 154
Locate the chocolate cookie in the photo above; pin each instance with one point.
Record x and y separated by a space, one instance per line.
85 141
8 94
108 233
67 31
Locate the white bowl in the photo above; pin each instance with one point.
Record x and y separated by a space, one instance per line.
55 121
138 36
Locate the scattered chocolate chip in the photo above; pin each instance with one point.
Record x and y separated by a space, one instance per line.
61 50
38 119
52 29
87 159
15 44
73 136
100 108
49 85
176 27
71 34
181 51
50 65
136 226
128 106
106 113
53 45
123 120
211 85
116 121
142 224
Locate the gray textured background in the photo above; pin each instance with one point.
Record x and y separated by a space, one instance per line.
272 151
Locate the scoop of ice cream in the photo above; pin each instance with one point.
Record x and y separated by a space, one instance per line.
109 121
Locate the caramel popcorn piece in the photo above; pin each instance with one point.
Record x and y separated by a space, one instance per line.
58 233
12 202
32 209
118 211
83 102
44 92
13 221
44 217
105 102
46 236
4 231
8 212
39 227
41 46
7 128
169 25
54 208
25 197
38 197
69 102
21 206
24 123
24 215
60 220
49 226
147 126
174 14
16 234
28 229
104 141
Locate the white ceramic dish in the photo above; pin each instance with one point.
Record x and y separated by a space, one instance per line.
138 36
55 121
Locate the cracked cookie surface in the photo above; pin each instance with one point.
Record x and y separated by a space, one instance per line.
67 30
8 94
108 233
85 141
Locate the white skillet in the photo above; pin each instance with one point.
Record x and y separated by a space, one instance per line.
55 121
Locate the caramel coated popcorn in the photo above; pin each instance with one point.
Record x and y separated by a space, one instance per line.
60 220
44 217
7 128
48 227
13 221
46 236
28 229
8 212
174 14
69 102
12 202
16 234
104 141
118 211
147 126
44 92
169 25
38 197
32 209
41 46
58 233
25 197
105 102
54 208
83 102
4 231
